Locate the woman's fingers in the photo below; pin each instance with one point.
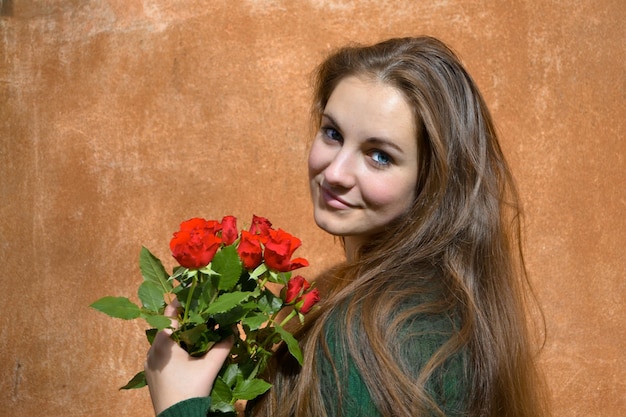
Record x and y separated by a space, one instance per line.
171 311
218 353
173 375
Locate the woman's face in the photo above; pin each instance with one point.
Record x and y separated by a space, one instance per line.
363 161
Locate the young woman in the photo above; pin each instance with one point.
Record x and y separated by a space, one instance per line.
427 314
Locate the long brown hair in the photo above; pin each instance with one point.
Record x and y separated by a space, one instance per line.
457 250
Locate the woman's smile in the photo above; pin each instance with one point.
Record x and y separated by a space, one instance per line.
333 200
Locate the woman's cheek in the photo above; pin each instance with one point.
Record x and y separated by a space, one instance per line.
316 159
382 196
378 195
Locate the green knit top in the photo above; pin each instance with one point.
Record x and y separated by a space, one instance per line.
419 339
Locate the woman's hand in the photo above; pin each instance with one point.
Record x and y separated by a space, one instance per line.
173 375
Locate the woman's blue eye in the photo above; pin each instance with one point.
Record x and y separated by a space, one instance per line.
381 158
332 134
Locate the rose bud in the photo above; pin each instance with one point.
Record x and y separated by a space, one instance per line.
295 287
260 226
229 230
307 301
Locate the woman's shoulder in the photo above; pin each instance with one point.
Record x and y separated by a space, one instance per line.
413 332
419 334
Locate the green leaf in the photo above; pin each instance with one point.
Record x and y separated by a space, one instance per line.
195 318
151 296
226 302
255 321
229 375
231 317
269 303
251 366
138 381
221 392
249 389
207 290
221 409
158 321
292 343
118 307
227 264
152 270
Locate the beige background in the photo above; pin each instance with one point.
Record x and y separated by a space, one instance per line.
121 118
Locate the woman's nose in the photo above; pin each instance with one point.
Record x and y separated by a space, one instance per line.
341 170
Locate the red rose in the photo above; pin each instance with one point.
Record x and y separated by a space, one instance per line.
298 291
229 230
279 247
196 243
308 300
295 287
209 226
260 226
249 250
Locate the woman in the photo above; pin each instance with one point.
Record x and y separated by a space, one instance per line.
426 316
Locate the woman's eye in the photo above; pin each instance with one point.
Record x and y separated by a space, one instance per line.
332 134
380 158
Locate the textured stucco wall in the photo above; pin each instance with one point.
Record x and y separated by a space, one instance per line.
120 118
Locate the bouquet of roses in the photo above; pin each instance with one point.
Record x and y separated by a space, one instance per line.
221 284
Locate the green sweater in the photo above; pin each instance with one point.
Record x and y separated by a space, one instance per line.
420 339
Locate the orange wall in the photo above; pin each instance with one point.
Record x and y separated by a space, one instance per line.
121 118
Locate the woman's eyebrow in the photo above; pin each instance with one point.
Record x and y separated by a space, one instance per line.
330 119
384 142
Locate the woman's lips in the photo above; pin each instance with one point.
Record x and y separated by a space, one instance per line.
333 200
